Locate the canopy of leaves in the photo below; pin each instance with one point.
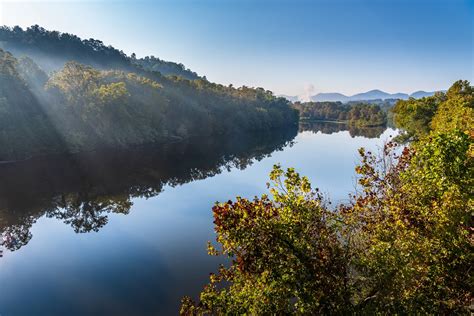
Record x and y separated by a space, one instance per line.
152 63
52 49
414 115
443 111
457 112
81 108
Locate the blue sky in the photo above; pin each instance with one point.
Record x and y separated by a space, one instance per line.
290 46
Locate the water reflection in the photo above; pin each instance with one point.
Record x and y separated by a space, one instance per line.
82 189
145 262
334 127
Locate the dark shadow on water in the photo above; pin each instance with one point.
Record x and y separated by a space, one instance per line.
82 189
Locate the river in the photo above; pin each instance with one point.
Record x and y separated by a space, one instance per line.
125 232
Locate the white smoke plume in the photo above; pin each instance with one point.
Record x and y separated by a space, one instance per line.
308 92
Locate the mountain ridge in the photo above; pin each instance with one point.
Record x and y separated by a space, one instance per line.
374 94
51 50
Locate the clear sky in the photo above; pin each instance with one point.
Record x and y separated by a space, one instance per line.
348 46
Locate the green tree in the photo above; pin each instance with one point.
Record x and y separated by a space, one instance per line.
403 245
457 112
285 252
414 115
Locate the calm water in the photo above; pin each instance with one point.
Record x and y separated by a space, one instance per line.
125 232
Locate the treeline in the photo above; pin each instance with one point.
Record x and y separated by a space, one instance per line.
358 114
402 246
80 108
152 63
384 104
52 49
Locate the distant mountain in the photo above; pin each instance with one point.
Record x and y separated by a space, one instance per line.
370 95
333 97
367 96
402 96
421 94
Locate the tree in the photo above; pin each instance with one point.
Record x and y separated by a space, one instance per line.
457 111
285 252
402 246
82 108
414 115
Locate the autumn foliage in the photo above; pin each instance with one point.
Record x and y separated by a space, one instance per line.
403 245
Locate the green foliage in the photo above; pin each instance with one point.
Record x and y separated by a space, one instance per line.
285 253
111 92
52 49
415 115
356 114
81 108
7 64
166 68
457 112
402 246
412 223
98 96
441 112
33 75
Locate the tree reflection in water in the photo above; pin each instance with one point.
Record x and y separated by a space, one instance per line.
334 127
81 190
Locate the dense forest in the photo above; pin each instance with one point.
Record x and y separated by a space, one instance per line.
107 100
403 245
358 114
51 50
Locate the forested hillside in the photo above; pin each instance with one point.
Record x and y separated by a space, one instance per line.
25 128
52 49
80 108
403 245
